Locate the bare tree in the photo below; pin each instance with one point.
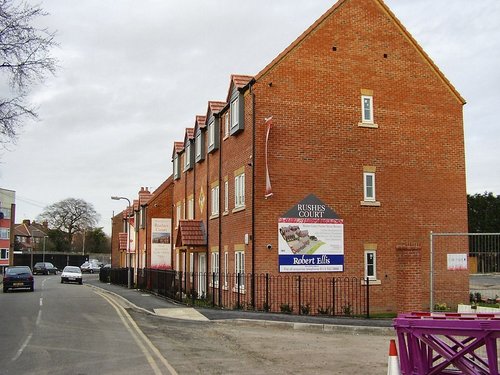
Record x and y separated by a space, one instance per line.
70 216
24 60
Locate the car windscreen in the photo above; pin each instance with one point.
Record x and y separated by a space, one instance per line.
17 271
71 270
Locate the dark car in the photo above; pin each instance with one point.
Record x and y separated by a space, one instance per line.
18 277
44 268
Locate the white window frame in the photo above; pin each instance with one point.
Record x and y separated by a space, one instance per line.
226 125
373 264
367 119
239 268
6 252
211 134
197 146
4 233
215 200
369 189
226 196
176 166
191 208
239 191
187 157
177 214
235 112
215 268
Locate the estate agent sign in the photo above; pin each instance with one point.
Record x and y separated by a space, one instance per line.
161 244
311 238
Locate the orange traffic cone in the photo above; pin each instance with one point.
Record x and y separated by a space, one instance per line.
393 362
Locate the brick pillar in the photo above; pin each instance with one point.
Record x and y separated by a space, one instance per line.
409 278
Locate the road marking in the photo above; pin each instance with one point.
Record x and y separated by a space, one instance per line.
41 301
39 318
137 334
21 349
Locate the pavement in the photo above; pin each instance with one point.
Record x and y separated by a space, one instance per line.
160 306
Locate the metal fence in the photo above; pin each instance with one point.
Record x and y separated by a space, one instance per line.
292 294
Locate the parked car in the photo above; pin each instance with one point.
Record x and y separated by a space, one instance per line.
90 267
44 268
18 277
71 274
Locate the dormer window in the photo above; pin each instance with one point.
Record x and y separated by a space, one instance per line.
236 113
176 167
188 156
213 134
199 146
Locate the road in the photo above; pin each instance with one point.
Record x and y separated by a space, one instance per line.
73 329
70 329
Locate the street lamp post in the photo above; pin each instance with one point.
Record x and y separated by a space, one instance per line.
129 255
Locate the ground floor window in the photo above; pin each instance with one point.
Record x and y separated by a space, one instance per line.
239 261
4 254
370 265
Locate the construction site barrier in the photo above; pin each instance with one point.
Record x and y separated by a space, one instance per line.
448 343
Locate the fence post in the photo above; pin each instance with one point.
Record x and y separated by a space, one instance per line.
367 297
192 286
180 286
213 289
267 307
238 288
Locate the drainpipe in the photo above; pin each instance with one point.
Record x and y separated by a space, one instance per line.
253 191
220 211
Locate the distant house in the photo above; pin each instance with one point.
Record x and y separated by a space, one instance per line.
30 236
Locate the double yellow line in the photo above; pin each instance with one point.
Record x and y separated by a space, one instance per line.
155 359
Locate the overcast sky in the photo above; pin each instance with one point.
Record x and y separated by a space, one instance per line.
133 74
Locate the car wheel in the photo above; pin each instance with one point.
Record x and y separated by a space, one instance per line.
5 290
62 282
32 289
80 282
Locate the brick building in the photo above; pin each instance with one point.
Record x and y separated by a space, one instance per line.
337 159
7 219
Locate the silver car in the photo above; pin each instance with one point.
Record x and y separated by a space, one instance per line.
71 274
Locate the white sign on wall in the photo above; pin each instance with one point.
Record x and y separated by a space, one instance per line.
457 262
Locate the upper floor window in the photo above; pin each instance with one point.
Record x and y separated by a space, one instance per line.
367 109
176 167
235 112
211 134
369 186
4 233
190 208
226 124
177 213
226 196
143 216
188 156
215 200
239 190
199 146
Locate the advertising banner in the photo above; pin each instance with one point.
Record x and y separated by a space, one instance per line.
161 243
311 238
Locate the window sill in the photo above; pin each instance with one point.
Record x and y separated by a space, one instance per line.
370 204
225 137
372 282
225 213
242 290
238 209
367 125
213 216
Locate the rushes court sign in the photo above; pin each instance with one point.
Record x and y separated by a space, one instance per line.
311 238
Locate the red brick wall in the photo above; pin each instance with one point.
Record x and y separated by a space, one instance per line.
316 146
